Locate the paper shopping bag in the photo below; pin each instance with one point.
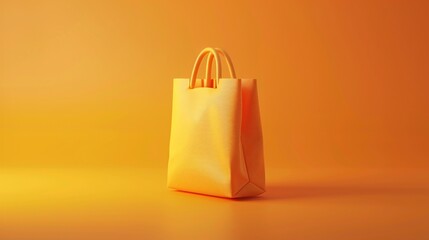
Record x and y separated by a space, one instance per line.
216 137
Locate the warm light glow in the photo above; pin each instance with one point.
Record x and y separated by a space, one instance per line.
85 117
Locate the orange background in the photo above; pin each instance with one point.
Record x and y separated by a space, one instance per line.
90 83
87 84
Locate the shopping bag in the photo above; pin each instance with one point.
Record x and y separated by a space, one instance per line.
216 137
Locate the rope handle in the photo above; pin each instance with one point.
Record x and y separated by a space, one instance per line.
228 62
197 64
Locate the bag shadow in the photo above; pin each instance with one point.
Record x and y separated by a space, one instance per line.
311 191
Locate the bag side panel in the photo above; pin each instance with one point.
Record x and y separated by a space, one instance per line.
251 138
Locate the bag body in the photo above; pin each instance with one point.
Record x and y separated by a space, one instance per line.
216 136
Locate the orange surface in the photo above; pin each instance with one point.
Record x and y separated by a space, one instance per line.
86 86
134 204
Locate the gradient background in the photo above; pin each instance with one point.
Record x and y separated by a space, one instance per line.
85 104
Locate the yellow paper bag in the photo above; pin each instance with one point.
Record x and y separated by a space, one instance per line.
216 136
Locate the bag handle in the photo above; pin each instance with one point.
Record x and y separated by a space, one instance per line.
197 64
228 62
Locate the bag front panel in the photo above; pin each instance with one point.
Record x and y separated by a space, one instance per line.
205 138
